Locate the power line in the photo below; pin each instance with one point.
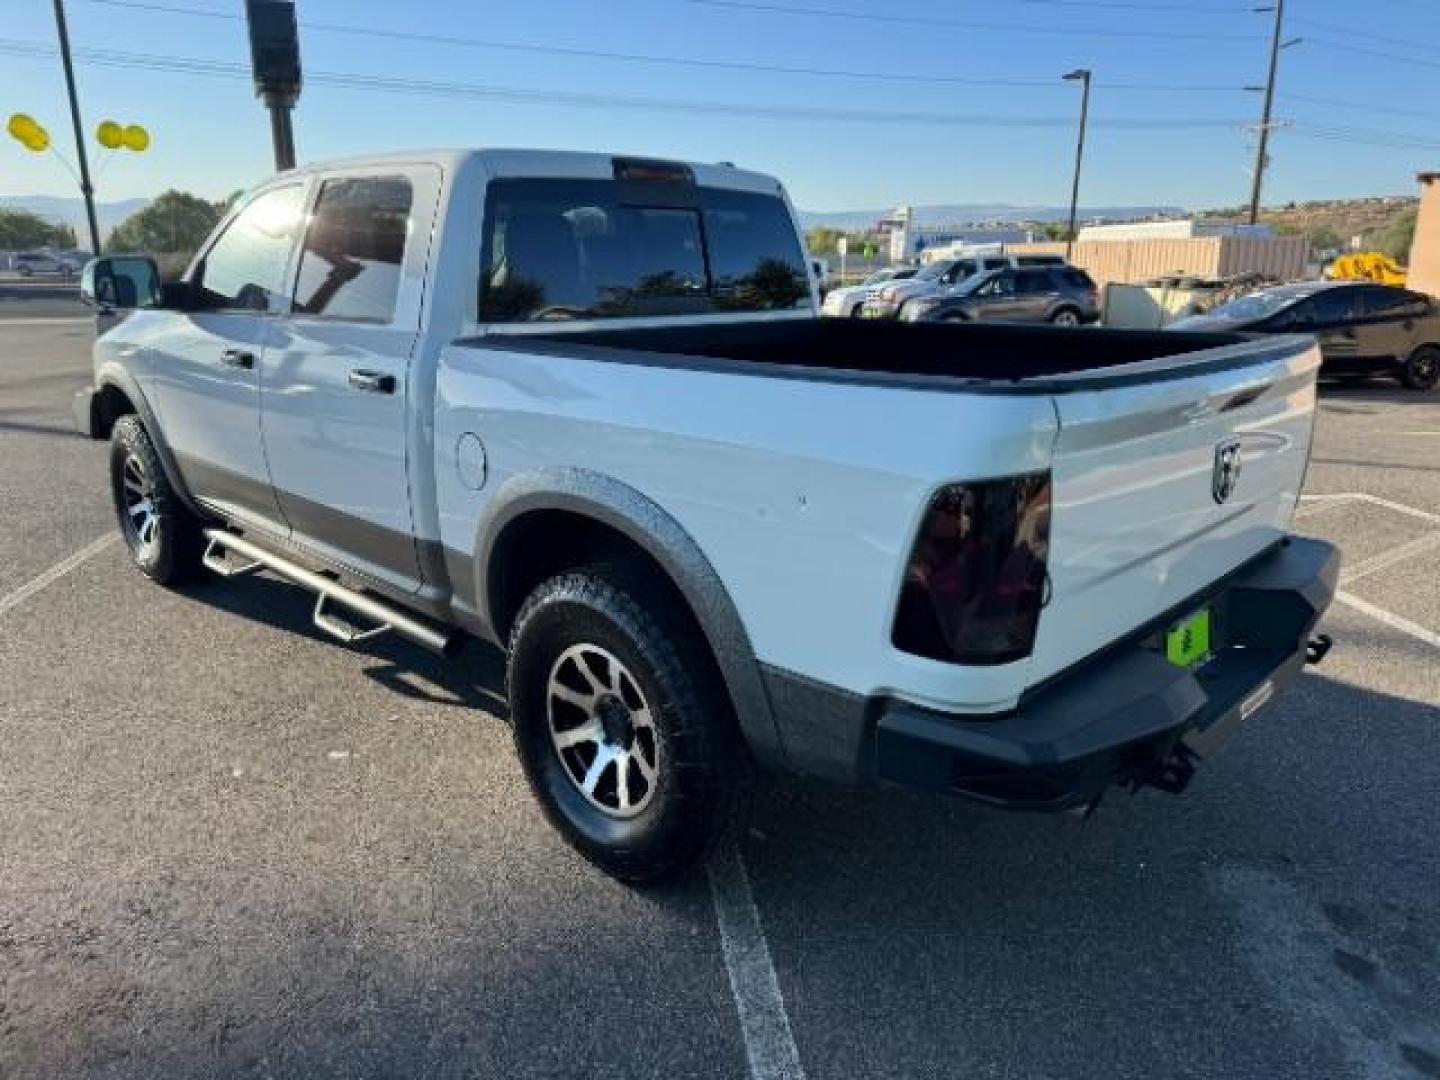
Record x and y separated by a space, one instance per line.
1039 82
359 81
1359 106
1384 39
1367 137
895 18
1358 50
520 95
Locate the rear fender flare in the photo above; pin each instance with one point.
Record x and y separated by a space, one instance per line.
624 509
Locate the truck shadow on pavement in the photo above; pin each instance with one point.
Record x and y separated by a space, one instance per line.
474 679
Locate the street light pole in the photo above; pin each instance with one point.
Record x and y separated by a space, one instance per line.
1082 76
86 188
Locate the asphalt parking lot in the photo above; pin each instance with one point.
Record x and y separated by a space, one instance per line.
233 848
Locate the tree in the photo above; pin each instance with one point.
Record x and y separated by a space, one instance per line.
820 239
1324 239
21 230
175 223
1397 237
1056 230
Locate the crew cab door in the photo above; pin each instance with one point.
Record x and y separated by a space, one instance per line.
1034 294
204 362
1334 316
1390 329
995 300
340 404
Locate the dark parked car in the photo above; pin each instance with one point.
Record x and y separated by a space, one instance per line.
1363 328
1063 295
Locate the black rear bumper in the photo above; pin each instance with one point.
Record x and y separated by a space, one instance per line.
1128 716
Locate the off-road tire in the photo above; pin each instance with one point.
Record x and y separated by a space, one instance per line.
1422 369
701 761
170 552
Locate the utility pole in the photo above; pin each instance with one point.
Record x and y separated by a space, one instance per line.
1261 155
275 61
1082 76
86 188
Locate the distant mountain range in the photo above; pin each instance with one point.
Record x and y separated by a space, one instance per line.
71 210
977 213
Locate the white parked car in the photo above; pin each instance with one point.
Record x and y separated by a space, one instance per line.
582 407
846 302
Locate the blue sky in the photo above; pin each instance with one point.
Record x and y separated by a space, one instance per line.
210 134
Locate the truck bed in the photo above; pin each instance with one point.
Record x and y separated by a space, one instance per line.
968 351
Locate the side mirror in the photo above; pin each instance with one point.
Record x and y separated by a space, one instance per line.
121 283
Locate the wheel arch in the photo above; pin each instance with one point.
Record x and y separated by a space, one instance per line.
545 523
117 394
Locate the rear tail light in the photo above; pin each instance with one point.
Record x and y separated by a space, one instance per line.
977 580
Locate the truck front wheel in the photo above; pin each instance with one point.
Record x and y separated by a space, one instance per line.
625 738
164 538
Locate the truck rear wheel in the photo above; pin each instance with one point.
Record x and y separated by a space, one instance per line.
625 738
164 538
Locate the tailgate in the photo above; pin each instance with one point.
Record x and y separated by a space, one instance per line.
1167 476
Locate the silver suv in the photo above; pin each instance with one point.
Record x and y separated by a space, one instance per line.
32 263
1062 295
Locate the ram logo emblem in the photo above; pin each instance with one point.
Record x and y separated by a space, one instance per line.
1227 470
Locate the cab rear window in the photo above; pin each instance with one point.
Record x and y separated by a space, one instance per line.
558 250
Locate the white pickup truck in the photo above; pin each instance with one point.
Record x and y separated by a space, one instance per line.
583 407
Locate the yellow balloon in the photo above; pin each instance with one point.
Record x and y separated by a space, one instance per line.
21 125
38 140
110 134
136 138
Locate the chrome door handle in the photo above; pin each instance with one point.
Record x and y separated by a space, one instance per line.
237 358
376 382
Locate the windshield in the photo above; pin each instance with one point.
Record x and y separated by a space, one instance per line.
931 272
1254 307
576 249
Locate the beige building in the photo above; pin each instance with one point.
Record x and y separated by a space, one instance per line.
1131 262
1425 255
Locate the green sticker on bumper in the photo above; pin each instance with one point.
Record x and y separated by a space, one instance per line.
1189 643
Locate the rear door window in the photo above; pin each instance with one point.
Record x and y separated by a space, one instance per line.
562 249
1380 303
355 245
1030 282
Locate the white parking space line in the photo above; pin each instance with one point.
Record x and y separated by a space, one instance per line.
1389 558
1395 622
764 1025
1401 508
55 573
1316 503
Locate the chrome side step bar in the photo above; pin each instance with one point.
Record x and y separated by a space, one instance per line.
385 616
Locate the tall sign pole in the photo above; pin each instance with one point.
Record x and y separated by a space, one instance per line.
86 188
1262 153
275 62
1082 76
